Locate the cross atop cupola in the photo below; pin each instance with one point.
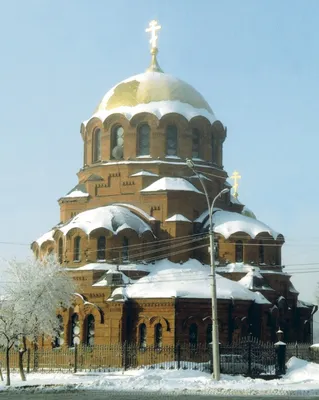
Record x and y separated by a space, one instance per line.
153 28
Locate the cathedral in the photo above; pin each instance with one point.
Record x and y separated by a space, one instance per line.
133 231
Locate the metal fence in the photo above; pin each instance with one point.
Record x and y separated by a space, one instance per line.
302 350
248 357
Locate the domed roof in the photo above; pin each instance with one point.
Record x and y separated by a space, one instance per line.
154 92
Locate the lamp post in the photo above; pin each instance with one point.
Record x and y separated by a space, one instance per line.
215 339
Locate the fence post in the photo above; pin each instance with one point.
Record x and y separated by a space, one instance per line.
249 356
28 360
124 351
178 354
281 354
75 357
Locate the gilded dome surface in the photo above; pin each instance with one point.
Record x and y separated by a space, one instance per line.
154 92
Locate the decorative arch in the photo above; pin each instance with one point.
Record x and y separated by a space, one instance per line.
144 117
161 320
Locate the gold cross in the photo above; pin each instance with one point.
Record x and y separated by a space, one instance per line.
236 178
153 27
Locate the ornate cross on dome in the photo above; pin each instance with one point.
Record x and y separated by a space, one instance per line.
153 27
235 177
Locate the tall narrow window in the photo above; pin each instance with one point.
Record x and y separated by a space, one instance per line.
143 140
96 145
209 337
90 330
158 336
101 248
74 330
117 142
261 249
239 251
171 140
77 249
60 250
214 150
195 143
142 336
193 335
125 249
59 338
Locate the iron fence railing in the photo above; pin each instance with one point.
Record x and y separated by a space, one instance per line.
248 356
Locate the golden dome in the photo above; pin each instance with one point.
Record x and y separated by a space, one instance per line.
155 92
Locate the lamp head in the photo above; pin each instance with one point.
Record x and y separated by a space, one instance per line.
190 163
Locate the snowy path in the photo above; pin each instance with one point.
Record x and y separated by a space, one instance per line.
302 379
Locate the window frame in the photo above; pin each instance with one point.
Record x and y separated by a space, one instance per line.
196 132
101 249
96 145
77 248
174 139
140 139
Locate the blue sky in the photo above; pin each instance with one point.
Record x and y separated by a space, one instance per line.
255 62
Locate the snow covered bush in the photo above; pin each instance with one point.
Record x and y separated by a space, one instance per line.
34 291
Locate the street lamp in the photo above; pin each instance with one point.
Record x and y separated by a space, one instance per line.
215 340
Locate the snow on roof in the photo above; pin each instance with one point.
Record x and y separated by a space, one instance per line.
137 209
144 173
244 268
44 238
227 223
204 215
253 280
113 218
179 218
189 280
121 278
77 193
170 183
156 93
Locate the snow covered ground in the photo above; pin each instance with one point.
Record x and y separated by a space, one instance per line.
302 378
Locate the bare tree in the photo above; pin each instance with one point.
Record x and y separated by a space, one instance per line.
34 292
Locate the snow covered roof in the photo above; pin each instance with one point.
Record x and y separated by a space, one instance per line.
113 218
244 268
77 193
189 280
253 280
170 183
144 173
137 209
156 93
113 278
44 238
179 218
227 223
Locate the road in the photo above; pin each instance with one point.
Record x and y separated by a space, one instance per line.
105 395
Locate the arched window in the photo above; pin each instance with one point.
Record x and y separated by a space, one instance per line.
125 249
195 143
77 249
117 142
96 145
193 335
209 337
89 330
143 147
142 336
158 336
59 338
171 140
239 251
74 330
60 250
261 251
101 248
